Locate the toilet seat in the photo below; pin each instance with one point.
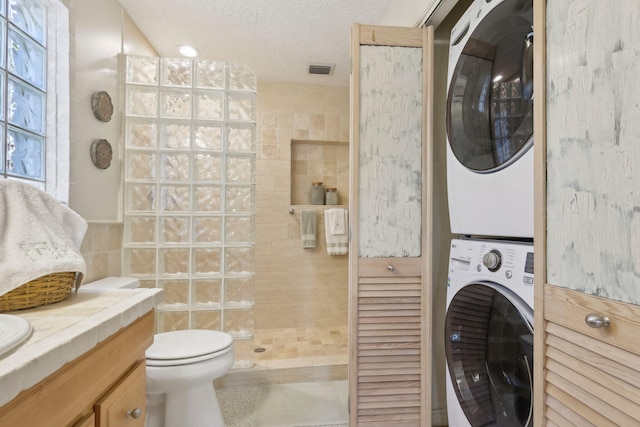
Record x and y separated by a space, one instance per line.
187 346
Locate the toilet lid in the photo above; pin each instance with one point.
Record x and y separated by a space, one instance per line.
186 344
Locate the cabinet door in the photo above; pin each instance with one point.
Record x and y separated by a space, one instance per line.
88 421
587 221
390 227
124 404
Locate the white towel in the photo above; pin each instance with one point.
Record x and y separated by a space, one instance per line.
337 221
336 231
38 236
308 226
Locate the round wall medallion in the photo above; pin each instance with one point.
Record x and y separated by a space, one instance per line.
102 106
101 153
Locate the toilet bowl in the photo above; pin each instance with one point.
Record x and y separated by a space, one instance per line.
181 368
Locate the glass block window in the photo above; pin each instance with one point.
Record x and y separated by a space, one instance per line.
34 102
23 69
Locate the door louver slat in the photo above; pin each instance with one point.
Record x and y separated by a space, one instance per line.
389 356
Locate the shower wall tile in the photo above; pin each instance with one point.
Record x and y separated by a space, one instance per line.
296 287
285 120
270 120
269 151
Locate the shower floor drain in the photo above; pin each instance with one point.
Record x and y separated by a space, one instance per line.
260 350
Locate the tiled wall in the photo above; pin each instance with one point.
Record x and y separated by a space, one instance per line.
319 161
295 287
102 250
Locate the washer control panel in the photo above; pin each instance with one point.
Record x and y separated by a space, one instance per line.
506 262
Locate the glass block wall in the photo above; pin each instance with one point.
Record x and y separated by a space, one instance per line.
189 220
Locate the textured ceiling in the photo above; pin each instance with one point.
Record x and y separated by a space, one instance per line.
278 39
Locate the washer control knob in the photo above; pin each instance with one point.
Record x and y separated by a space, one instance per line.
492 260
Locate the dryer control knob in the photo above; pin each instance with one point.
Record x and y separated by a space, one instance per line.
492 260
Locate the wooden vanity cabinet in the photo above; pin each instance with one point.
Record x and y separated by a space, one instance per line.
98 388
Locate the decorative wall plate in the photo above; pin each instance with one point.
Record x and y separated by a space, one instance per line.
102 106
101 153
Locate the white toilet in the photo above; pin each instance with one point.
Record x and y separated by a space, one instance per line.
181 368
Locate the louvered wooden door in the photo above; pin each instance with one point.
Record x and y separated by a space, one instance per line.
390 224
587 221
389 348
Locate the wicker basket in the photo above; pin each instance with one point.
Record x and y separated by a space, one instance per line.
44 290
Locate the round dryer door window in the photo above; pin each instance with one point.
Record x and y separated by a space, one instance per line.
490 98
489 347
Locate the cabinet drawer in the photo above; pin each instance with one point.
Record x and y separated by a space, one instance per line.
569 308
389 267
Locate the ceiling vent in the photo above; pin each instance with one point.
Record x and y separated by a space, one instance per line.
326 69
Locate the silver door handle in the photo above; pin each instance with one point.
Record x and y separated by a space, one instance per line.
597 321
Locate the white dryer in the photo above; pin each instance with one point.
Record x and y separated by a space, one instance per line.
490 120
489 334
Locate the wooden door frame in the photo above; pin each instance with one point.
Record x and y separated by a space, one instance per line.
540 203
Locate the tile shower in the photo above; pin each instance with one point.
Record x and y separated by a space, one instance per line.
289 288
189 192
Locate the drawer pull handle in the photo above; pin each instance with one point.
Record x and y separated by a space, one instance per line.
390 267
134 413
597 321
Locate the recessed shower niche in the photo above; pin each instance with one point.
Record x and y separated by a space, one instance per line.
319 161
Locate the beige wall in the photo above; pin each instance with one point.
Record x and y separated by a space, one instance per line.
100 31
295 287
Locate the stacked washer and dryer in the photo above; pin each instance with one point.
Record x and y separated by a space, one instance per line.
489 307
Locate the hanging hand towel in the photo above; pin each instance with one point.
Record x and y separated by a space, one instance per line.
337 221
308 225
38 236
336 231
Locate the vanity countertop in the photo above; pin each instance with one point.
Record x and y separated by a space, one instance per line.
65 330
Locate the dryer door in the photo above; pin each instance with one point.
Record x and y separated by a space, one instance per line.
489 347
490 99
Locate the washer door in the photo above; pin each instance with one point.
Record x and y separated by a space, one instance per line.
490 99
489 348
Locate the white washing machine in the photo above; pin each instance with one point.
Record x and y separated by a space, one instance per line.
490 120
489 333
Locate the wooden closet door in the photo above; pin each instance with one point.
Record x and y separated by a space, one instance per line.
390 358
587 220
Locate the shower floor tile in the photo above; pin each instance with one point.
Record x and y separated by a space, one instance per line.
296 343
293 355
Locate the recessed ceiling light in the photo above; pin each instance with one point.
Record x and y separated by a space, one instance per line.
188 51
